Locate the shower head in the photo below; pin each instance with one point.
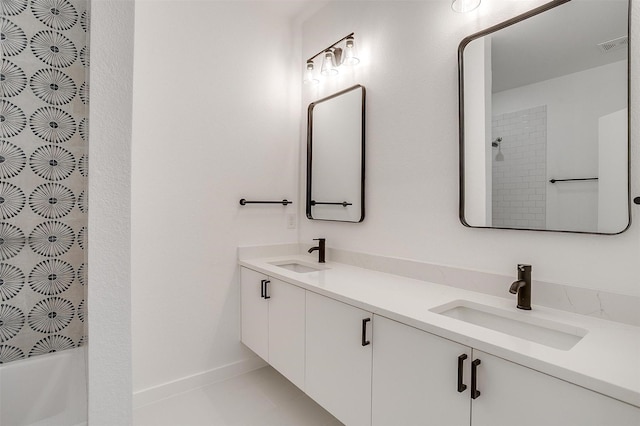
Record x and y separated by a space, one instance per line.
497 142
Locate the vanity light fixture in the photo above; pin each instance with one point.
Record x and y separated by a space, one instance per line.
350 53
329 63
310 75
463 6
332 58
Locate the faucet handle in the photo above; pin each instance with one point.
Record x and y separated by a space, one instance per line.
524 267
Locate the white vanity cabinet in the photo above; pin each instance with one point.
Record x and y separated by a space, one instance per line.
422 379
273 322
338 359
511 394
368 369
415 380
255 312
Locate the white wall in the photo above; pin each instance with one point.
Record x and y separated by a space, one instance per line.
109 290
216 96
478 152
612 171
409 68
574 103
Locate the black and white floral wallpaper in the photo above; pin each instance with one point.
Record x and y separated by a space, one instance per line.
44 96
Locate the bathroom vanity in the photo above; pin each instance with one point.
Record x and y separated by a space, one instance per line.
378 349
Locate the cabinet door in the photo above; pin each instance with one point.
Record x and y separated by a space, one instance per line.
415 377
255 313
511 394
338 366
286 330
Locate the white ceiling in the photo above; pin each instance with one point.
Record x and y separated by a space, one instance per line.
560 41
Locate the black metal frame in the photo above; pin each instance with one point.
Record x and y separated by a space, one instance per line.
545 7
310 155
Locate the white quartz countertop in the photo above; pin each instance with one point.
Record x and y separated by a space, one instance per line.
605 360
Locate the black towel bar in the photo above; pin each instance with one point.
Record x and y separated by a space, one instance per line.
342 203
570 180
284 202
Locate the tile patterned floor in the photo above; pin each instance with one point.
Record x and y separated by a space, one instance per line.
260 398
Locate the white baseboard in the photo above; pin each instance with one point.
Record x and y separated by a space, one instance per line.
185 384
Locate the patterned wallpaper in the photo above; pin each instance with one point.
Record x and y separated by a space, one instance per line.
43 176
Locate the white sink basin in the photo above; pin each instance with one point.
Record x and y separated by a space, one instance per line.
518 324
298 266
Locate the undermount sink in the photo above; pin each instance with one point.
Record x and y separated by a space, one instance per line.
297 266
546 332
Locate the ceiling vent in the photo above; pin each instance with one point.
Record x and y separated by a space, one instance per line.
615 44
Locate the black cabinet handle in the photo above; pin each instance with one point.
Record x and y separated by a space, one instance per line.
474 379
262 288
461 386
266 289
365 342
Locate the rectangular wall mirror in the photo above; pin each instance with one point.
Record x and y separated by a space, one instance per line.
544 113
335 157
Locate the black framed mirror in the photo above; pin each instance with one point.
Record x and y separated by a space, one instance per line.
544 120
335 156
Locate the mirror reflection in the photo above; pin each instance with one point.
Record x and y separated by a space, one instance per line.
335 157
544 120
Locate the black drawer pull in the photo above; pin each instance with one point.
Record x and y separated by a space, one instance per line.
365 342
461 386
262 288
474 379
266 289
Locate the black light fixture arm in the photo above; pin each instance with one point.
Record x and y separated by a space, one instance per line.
327 48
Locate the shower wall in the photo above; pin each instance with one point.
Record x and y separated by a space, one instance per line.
519 180
43 176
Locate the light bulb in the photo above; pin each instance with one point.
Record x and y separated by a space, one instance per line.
350 53
463 6
310 75
329 64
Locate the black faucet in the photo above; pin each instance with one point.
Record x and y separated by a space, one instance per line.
320 248
523 287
